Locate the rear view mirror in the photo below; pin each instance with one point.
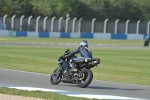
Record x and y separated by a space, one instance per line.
67 50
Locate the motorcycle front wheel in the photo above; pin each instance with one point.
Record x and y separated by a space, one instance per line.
55 78
86 79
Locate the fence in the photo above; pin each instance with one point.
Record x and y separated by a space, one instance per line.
74 25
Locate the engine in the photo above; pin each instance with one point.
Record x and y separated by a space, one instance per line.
66 73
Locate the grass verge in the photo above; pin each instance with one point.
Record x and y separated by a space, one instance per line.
118 65
38 94
73 40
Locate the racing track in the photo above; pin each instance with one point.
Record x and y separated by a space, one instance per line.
28 79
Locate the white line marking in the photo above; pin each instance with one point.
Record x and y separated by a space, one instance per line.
24 71
69 93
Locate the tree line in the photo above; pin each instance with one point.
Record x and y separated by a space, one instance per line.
123 10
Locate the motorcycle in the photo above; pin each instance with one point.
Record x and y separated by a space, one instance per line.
82 77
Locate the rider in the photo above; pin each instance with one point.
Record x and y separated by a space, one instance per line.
146 42
84 51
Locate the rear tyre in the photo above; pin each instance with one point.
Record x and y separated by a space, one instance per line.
86 80
55 78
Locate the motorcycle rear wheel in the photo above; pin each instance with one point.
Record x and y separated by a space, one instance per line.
55 77
87 79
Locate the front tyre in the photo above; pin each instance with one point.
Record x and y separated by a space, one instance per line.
55 78
87 76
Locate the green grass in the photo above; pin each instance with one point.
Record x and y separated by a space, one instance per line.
72 40
117 65
38 94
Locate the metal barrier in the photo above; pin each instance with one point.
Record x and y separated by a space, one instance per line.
74 25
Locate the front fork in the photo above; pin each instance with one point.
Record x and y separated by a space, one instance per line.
58 72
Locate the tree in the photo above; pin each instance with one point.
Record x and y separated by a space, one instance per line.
4 8
63 7
41 7
88 9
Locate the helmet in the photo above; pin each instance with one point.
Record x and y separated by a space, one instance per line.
84 43
147 36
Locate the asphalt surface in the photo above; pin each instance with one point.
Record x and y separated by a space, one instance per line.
96 87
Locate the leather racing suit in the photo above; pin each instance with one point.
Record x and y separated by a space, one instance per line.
85 52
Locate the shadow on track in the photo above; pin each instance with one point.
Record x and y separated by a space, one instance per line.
105 88
112 88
